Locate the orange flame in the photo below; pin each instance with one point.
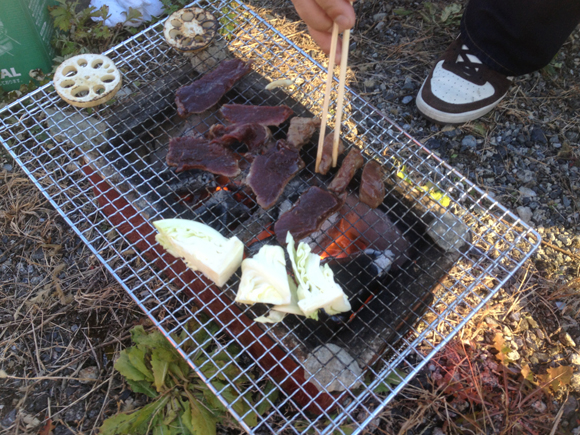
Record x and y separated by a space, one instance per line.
346 242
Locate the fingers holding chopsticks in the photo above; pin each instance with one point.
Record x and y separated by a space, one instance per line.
320 16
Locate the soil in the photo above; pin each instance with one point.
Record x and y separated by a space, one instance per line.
63 318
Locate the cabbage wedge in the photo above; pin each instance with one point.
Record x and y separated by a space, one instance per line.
264 278
201 247
316 286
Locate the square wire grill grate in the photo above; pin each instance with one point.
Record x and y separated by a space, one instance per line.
89 165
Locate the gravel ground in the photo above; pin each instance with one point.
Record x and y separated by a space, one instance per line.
63 318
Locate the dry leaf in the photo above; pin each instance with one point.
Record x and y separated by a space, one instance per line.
557 377
502 349
527 373
47 428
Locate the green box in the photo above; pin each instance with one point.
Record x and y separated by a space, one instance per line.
25 33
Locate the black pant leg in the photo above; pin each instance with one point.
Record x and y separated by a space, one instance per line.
517 37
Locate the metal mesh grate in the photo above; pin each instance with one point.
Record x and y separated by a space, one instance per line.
104 170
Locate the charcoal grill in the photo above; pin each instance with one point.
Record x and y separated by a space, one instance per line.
103 169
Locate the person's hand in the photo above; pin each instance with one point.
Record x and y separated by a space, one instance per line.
320 15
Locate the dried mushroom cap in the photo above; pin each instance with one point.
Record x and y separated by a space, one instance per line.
190 29
87 80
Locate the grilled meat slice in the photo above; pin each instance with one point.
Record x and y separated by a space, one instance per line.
372 186
351 163
308 214
270 172
206 91
198 153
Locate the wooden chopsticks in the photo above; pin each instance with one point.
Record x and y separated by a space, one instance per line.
326 101
340 98
340 101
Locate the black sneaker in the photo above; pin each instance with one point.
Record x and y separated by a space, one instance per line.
460 88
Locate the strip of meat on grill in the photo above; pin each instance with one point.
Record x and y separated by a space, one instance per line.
351 163
255 136
308 214
265 115
301 130
372 186
206 91
326 159
270 172
188 152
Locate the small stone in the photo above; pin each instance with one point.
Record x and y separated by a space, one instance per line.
570 407
7 167
37 255
541 356
526 192
30 420
513 355
74 413
574 359
449 232
575 382
333 368
9 419
566 340
539 406
526 175
469 141
538 135
525 213
566 202
491 321
450 131
369 83
438 431
407 99
409 84
379 17
557 145
88 375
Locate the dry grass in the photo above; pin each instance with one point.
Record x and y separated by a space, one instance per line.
61 318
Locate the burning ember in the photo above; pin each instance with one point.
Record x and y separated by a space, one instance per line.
347 241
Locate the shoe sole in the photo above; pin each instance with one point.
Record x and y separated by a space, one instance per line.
451 118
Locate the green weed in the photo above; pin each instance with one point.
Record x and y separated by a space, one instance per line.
448 16
182 403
